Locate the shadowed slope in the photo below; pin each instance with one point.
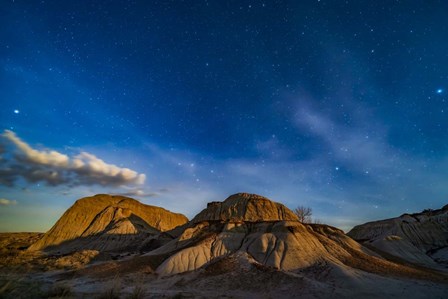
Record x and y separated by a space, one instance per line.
97 217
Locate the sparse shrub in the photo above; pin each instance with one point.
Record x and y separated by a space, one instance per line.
317 221
303 213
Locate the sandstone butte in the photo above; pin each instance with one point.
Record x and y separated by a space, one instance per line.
107 222
420 238
245 207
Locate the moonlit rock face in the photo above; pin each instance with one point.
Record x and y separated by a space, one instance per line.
245 207
106 222
260 232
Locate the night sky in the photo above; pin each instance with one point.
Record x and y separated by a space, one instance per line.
337 105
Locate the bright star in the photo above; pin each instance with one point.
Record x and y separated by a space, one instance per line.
16 111
337 168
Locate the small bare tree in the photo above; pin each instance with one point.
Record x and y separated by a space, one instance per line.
303 213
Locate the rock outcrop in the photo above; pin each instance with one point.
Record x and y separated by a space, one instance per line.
245 207
106 223
420 238
267 233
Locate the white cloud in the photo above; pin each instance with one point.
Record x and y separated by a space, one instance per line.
7 202
55 168
51 158
91 167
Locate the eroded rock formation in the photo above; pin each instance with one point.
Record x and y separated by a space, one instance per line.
245 207
420 238
266 232
106 222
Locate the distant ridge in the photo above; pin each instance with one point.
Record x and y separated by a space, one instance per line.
420 238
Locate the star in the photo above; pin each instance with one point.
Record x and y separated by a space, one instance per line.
232 107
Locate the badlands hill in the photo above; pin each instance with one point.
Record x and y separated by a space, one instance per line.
106 223
245 207
420 238
263 232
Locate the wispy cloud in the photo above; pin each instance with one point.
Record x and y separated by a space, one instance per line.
7 202
361 144
138 193
54 168
371 171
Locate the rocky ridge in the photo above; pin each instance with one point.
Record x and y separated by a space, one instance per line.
420 238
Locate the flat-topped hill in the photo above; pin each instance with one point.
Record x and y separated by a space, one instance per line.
245 207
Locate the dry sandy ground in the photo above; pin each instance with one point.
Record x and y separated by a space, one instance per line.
231 277
236 276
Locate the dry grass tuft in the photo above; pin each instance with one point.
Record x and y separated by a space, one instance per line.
59 291
113 292
16 287
138 292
